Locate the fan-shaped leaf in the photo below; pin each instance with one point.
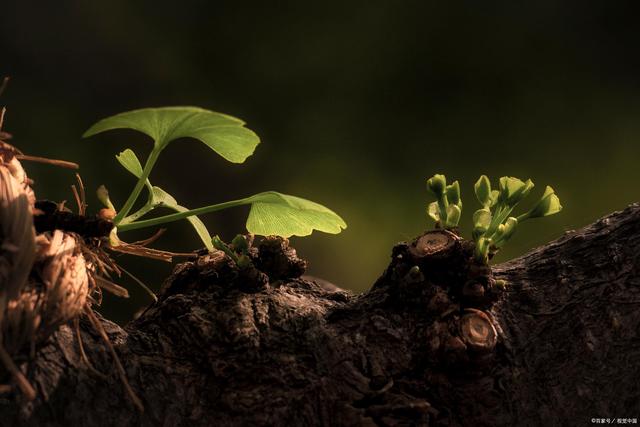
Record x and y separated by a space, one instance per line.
279 214
130 162
224 134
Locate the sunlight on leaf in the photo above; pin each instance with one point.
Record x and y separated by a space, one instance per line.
224 134
279 214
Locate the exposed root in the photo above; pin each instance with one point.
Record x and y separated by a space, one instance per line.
112 288
142 251
53 162
83 354
141 284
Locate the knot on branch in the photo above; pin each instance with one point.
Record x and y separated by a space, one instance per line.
279 260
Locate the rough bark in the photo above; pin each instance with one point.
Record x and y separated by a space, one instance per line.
433 342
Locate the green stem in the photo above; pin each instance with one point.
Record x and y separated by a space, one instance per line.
151 161
501 214
443 204
181 215
137 214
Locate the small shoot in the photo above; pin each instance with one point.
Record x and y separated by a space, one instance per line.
238 251
271 213
447 208
493 224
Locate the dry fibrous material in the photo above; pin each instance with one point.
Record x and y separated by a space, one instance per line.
44 280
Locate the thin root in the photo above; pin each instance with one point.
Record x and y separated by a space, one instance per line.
53 162
83 355
141 284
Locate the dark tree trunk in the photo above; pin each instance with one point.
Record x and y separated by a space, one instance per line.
436 341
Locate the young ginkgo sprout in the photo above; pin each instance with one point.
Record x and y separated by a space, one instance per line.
447 208
271 213
493 224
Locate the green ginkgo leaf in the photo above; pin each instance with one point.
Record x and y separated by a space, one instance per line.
482 219
130 162
433 211
453 215
224 134
482 189
453 194
279 214
549 204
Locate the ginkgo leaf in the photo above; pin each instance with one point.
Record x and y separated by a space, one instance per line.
279 214
482 189
164 199
224 134
433 211
130 162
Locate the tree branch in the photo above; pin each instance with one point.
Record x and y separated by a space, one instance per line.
223 346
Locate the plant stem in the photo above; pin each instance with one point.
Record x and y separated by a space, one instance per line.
180 215
139 213
151 161
443 204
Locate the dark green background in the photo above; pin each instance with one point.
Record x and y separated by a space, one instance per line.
356 103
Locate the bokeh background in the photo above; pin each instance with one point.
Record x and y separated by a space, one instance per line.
357 103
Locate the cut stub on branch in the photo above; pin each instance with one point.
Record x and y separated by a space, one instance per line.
477 331
434 244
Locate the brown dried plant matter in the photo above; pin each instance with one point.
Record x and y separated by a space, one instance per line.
49 275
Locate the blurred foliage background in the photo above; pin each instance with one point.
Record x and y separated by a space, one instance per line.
357 103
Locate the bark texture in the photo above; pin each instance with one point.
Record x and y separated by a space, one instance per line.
435 341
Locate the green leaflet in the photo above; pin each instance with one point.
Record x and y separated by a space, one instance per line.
130 162
279 214
271 213
158 197
164 199
224 134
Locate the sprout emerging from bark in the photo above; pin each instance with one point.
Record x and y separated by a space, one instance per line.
493 223
447 208
271 213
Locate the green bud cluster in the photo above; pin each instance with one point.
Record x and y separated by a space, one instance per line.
447 208
493 223
238 251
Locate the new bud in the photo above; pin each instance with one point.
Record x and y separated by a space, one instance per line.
437 184
483 191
